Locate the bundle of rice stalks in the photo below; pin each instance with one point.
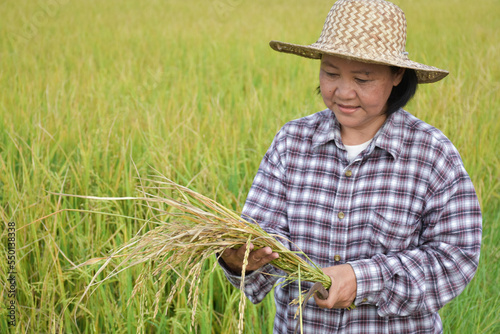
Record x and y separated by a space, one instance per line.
192 228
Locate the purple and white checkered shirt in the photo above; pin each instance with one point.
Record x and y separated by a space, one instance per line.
403 214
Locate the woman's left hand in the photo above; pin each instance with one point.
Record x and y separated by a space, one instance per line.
343 290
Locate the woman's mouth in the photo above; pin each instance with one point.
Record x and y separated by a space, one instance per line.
347 109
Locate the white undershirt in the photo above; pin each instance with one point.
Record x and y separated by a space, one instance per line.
354 150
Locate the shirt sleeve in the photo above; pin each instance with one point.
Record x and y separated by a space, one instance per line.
266 206
427 277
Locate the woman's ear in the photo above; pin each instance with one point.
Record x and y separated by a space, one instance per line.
398 76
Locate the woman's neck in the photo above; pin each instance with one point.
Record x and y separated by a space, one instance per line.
352 137
362 134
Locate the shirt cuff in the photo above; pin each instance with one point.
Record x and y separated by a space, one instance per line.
369 281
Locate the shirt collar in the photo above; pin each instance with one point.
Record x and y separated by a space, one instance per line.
389 137
327 130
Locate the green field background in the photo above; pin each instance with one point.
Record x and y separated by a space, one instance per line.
95 93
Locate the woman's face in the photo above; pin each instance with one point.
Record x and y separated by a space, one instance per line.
357 93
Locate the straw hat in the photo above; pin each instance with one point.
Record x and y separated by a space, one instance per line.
371 31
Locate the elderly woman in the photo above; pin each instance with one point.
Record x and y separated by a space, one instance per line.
376 197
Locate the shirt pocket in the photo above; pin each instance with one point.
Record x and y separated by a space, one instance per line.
394 236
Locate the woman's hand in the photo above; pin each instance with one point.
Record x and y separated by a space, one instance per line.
343 290
233 258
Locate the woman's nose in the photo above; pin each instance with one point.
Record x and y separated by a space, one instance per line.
345 90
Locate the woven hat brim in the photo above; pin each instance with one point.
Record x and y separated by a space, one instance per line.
425 73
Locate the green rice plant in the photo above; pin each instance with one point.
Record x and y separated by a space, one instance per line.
190 229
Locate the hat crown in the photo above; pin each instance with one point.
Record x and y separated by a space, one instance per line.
374 28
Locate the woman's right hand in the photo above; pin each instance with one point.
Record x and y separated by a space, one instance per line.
233 258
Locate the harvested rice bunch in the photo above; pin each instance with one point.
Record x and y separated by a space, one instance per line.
191 229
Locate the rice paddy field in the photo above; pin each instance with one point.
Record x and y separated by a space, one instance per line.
95 93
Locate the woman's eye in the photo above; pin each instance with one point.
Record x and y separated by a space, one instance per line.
361 80
331 74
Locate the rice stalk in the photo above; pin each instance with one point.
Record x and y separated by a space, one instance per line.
242 286
190 229
300 303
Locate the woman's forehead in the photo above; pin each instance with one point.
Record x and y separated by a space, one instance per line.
351 65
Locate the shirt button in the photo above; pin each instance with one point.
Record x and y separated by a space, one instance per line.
364 300
348 173
341 215
336 258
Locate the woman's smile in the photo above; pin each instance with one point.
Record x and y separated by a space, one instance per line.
346 109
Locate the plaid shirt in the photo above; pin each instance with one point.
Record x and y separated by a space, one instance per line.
403 214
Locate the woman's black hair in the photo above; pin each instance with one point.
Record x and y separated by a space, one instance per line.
401 93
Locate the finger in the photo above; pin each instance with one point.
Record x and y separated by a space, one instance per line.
262 253
242 250
324 303
260 258
258 255
330 301
268 258
321 292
